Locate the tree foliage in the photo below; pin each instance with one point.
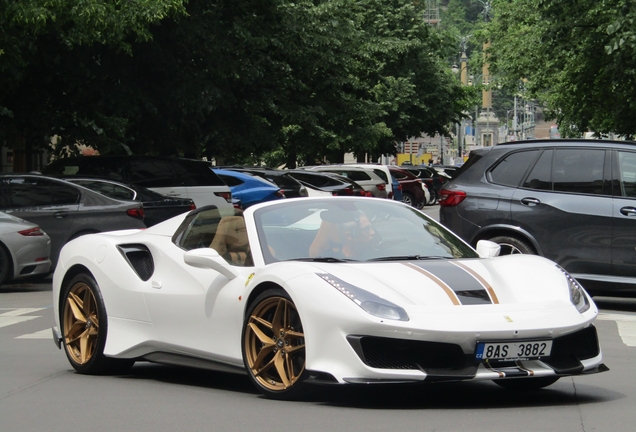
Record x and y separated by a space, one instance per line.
577 57
232 79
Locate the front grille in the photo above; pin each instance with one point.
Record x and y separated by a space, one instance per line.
389 353
140 259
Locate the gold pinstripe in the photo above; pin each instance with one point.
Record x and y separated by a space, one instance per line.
489 289
449 292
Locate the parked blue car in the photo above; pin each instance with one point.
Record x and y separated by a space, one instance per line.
249 189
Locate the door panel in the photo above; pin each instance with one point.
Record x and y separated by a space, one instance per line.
624 212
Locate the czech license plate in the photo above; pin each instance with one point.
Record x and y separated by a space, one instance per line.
508 351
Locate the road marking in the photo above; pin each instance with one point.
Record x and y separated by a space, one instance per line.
42 334
626 326
16 316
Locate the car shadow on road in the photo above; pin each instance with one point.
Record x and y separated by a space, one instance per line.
26 286
464 395
192 377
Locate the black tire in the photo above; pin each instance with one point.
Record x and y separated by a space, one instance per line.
274 346
84 326
513 245
407 198
526 384
6 265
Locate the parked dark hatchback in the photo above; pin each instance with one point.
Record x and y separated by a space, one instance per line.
157 207
573 201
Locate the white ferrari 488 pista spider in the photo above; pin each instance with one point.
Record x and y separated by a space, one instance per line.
320 290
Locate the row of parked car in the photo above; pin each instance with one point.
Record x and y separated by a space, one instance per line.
81 195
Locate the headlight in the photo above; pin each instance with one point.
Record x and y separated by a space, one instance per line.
371 303
577 293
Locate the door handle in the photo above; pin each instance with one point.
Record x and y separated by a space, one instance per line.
628 211
530 201
61 214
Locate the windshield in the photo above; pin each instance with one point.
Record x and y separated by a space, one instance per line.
364 229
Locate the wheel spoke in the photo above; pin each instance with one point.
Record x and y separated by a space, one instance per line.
279 315
75 331
85 346
76 307
262 337
261 321
264 368
88 303
291 349
281 368
260 358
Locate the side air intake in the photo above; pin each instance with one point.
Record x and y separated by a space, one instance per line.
139 258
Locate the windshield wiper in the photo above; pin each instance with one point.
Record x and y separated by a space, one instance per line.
408 258
322 259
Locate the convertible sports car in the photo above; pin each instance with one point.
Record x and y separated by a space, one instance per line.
337 290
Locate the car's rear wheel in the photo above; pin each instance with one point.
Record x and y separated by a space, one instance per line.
526 384
512 245
274 346
407 198
84 327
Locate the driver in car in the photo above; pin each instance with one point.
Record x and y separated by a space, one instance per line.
343 234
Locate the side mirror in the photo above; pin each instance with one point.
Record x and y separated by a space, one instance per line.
488 249
208 258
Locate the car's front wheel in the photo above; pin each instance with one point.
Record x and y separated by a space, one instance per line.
84 328
526 384
274 346
512 245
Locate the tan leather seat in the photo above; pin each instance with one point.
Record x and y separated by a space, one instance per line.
231 241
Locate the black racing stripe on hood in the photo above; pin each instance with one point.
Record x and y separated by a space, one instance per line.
468 289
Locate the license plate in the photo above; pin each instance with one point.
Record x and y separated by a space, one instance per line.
518 350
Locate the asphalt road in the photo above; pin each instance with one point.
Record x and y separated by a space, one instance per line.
39 391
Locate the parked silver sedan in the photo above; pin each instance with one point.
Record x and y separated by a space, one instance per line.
65 210
25 250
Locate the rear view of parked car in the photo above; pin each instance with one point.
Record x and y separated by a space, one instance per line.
573 201
413 192
25 250
281 178
65 210
365 177
326 183
173 177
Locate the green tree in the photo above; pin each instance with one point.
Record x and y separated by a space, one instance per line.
576 57
44 78
239 80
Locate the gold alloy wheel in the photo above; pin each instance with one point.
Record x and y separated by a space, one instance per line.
275 344
81 323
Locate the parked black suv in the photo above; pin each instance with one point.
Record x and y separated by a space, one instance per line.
573 201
